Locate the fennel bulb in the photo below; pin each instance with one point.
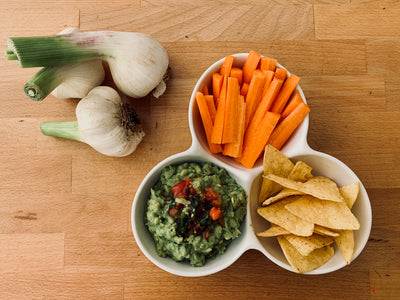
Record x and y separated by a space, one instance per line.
104 122
138 62
66 81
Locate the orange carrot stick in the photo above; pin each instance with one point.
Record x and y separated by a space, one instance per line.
287 89
265 103
280 73
227 66
230 129
267 64
211 106
220 116
235 149
269 75
254 94
204 90
250 65
293 102
217 80
256 139
237 73
207 122
285 128
244 89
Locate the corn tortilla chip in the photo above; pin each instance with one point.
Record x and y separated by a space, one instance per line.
307 244
274 162
304 264
274 230
277 213
350 193
324 231
345 242
301 172
281 195
334 215
319 187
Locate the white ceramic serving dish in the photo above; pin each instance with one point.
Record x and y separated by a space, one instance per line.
250 179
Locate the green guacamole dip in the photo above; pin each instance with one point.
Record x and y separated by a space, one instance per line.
194 212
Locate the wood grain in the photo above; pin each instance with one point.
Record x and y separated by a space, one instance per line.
65 228
32 252
355 20
200 23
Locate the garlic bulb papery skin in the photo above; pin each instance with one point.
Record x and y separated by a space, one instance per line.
82 77
107 124
138 62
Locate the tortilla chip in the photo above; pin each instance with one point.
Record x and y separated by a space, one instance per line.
319 187
324 231
281 195
334 215
303 264
301 172
274 230
307 244
350 193
345 242
277 213
275 162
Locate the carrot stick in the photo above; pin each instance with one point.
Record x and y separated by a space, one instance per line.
217 80
237 73
235 149
204 90
255 140
285 129
207 122
244 89
269 75
262 109
226 66
254 94
250 65
267 64
230 129
294 100
265 103
211 106
280 73
287 89
219 117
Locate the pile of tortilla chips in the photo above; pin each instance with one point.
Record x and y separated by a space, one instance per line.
308 214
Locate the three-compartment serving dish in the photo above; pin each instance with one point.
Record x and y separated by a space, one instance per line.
296 148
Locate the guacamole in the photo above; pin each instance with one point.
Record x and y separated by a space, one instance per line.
194 212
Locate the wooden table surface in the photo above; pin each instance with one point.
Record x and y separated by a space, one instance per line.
65 229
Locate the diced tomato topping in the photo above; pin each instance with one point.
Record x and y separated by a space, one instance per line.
210 194
178 190
215 213
183 189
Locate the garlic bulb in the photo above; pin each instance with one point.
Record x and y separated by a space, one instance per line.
104 122
138 62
